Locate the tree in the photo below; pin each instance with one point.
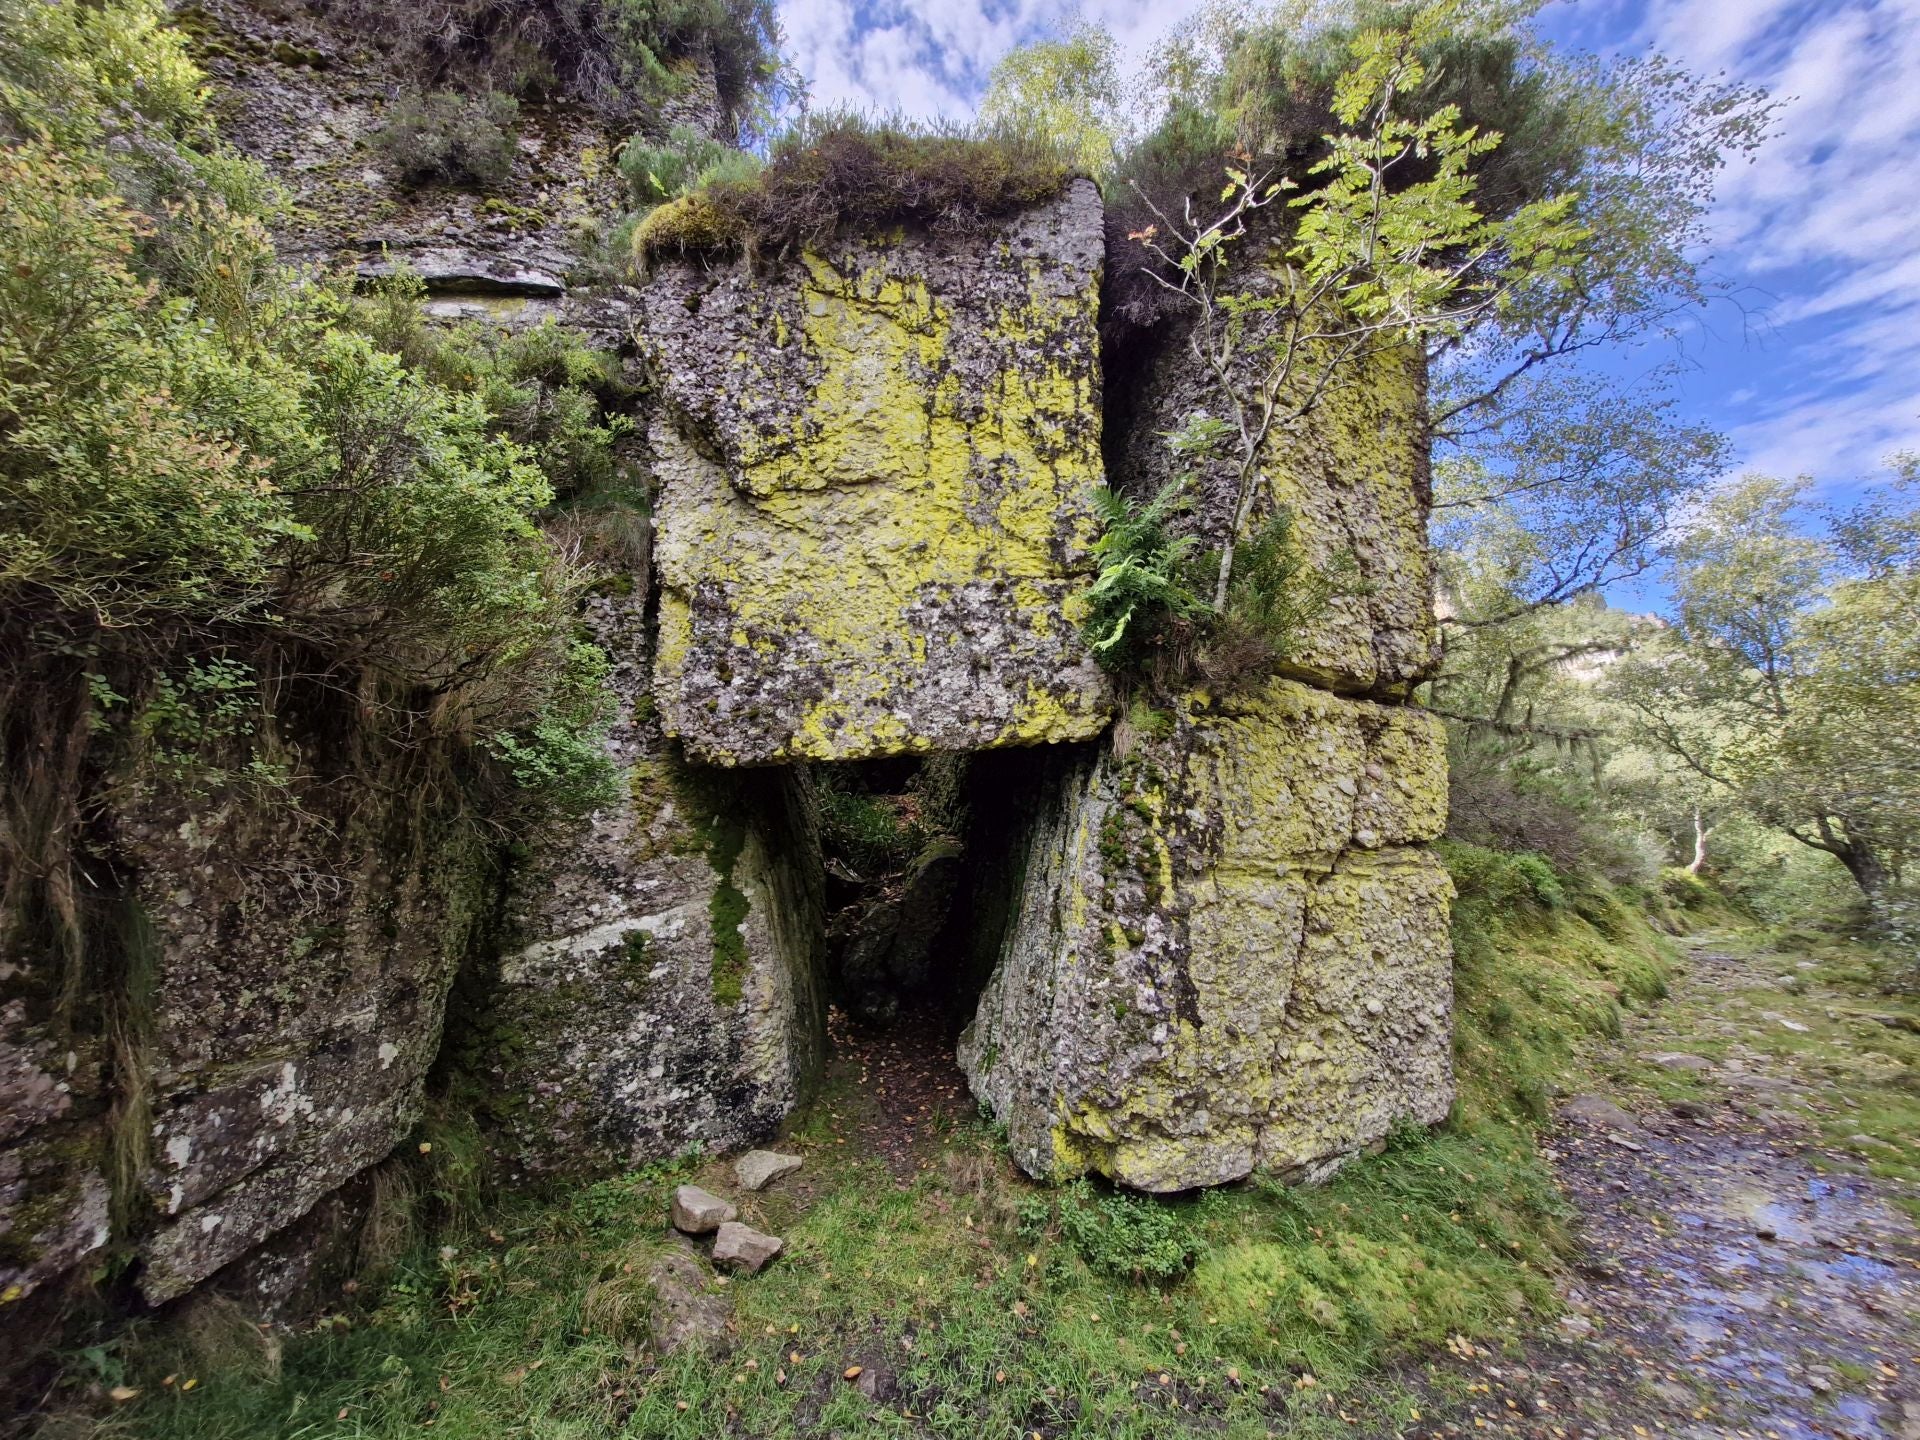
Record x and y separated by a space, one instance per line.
1790 678
1389 248
1067 91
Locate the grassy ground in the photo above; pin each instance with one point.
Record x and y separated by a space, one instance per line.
972 1302
1825 1015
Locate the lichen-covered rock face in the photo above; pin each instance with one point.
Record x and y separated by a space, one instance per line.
877 466
1231 951
1354 474
294 963
660 975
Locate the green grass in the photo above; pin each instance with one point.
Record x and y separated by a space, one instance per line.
992 1317
1001 1307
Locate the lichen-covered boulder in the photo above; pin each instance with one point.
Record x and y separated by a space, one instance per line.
876 467
1231 948
659 981
1352 472
288 970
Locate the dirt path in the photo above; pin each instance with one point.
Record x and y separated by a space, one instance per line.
1737 1281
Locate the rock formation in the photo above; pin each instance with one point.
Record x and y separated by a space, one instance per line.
876 470
1218 944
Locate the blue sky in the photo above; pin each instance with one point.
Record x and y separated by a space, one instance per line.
1817 368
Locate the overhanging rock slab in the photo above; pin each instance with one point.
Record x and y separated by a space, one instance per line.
877 466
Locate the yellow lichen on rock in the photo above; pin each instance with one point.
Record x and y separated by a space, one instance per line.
1232 948
872 539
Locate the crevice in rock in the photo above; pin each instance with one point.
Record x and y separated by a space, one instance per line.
893 834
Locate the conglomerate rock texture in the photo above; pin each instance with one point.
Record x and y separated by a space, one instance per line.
1230 947
877 466
1230 951
1353 472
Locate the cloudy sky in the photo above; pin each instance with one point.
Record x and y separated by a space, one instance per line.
1817 370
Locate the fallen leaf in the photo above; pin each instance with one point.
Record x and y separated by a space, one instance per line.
852 1372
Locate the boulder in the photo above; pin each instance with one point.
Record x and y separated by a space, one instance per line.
758 1169
700 1212
1597 1111
685 1310
660 983
877 465
1679 1060
1231 948
741 1247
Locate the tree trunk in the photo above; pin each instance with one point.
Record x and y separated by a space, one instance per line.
1699 844
1866 867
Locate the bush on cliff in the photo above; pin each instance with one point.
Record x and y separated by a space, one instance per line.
622 58
840 170
214 494
441 135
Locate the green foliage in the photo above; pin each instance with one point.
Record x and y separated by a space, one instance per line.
841 169
875 834
1148 618
621 58
542 387
559 761
209 478
1788 682
1067 92
656 172
1141 591
445 136
1498 881
66 71
1135 1237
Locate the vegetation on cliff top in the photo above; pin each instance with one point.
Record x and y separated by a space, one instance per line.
223 507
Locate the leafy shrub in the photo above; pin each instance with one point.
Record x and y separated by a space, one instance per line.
1148 618
685 160
622 58
208 474
1129 1236
1141 602
841 170
1500 880
445 136
543 387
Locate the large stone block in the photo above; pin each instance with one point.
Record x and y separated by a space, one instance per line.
660 978
293 963
1352 471
1231 948
876 466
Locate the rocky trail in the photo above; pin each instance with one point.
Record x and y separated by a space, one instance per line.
1737 1278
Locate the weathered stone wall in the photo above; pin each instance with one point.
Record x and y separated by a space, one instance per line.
1230 951
1353 472
659 980
1231 948
877 467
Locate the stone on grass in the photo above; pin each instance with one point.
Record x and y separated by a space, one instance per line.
1595 1110
741 1247
758 1169
684 1310
698 1211
1678 1060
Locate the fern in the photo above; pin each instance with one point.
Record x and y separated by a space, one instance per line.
1142 582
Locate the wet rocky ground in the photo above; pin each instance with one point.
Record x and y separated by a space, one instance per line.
1740 1275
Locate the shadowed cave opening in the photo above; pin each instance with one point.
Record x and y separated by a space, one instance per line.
924 859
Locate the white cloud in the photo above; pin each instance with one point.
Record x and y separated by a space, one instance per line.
932 57
1825 220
